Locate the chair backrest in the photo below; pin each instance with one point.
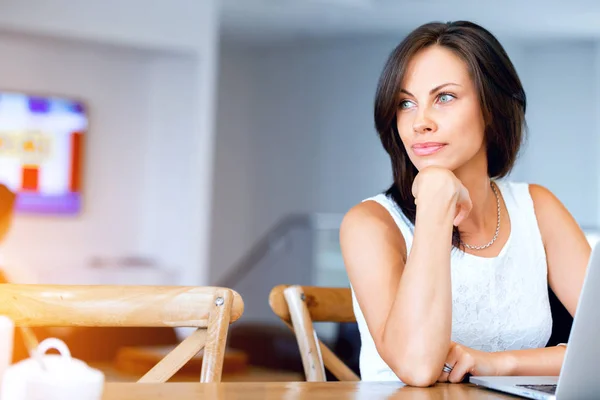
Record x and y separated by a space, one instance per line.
300 306
209 309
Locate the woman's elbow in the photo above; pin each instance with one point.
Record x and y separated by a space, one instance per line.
411 370
420 376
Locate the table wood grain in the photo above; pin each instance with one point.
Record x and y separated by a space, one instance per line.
295 391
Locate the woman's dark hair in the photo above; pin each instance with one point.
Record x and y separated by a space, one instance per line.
501 96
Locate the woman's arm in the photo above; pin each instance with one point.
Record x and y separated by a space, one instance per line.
535 362
532 362
567 254
567 249
406 301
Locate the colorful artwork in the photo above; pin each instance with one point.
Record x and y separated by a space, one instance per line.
41 149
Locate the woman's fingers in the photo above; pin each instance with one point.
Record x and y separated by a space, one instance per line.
451 360
462 367
448 368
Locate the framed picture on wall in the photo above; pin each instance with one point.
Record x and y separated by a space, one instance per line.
41 152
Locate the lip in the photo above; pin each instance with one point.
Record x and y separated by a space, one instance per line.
427 148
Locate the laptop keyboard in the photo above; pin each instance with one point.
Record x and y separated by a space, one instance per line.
550 389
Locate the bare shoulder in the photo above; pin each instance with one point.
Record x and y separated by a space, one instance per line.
368 230
366 219
368 215
549 210
543 199
557 225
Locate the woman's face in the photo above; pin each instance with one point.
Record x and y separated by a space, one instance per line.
439 115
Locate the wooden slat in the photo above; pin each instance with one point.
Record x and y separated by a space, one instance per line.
138 360
168 366
324 304
336 366
305 335
212 365
78 305
332 362
130 306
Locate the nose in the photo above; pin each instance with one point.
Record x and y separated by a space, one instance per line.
424 124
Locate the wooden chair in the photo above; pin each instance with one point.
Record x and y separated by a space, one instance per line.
210 309
300 306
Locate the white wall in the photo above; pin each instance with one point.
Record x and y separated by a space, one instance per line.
110 83
352 164
562 153
305 134
176 24
597 114
180 36
128 106
315 148
168 196
234 161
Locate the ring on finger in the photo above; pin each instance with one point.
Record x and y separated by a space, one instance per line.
447 368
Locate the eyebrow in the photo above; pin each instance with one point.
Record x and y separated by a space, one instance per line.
432 91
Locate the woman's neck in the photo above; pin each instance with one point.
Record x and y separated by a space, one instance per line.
483 215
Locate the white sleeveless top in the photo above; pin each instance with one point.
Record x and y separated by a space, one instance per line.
498 303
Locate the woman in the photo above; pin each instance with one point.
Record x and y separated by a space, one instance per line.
450 267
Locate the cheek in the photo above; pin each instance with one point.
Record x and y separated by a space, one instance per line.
404 127
466 126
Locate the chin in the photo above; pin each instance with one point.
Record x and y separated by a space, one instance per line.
432 162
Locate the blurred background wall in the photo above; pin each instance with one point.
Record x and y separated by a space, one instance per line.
212 122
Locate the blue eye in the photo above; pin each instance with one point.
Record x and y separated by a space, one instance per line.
405 104
446 97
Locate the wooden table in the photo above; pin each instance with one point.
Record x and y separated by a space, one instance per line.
295 391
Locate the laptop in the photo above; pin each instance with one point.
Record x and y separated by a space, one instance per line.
579 376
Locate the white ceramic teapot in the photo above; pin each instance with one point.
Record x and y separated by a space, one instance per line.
52 376
7 329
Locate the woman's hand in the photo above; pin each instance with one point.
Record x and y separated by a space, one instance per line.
466 361
433 183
